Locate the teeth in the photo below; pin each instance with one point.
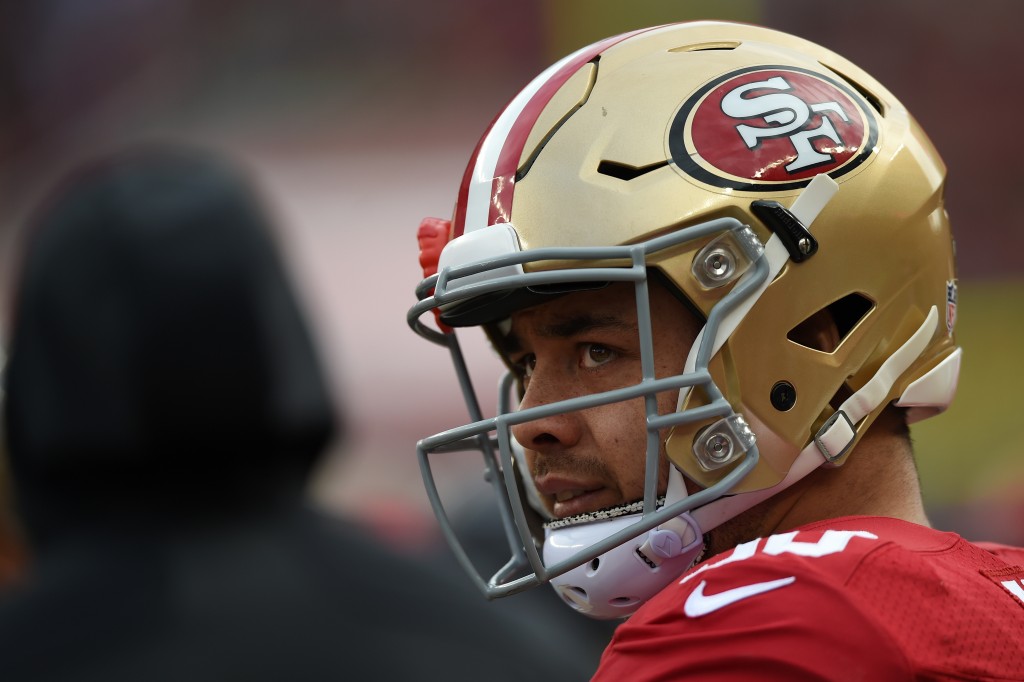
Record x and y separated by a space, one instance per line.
567 495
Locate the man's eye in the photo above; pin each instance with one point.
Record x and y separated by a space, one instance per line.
525 365
595 354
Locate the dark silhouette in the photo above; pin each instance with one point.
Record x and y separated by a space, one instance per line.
164 409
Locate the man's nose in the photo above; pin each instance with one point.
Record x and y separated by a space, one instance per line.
553 432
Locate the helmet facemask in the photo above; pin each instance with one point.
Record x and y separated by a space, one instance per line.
571 544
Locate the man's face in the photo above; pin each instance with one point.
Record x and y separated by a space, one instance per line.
584 343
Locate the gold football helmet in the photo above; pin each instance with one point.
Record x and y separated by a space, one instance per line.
765 179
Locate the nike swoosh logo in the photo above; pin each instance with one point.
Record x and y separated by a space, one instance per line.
699 604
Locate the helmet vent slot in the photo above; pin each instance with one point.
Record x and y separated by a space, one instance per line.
871 99
704 47
826 329
591 80
624 171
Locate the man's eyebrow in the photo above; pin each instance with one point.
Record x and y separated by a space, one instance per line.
568 328
585 323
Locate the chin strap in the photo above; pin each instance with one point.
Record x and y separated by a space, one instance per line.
837 434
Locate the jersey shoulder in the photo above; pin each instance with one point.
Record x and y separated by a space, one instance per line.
881 599
767 598
1009 554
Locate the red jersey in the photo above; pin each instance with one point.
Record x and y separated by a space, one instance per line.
855 598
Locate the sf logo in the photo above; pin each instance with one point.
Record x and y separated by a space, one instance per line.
786 115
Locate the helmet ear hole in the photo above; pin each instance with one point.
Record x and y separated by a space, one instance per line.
826 329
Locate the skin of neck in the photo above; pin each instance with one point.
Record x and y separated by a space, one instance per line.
878 479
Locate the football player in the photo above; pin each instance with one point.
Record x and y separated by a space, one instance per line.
717 263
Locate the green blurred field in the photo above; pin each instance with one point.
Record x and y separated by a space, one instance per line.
976 449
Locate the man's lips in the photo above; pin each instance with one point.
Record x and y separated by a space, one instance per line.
570 496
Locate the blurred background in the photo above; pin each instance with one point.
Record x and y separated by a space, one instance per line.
358 118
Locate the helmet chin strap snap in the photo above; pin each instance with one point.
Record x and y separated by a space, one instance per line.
676 536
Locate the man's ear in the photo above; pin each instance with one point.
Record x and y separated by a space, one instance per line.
820 332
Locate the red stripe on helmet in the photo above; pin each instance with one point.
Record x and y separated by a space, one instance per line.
459 219
503 182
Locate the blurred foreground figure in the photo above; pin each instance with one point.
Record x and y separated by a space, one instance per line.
164 409
716 261
12 550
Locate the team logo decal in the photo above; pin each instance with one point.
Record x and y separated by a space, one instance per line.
768 128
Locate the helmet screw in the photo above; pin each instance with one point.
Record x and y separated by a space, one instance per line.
804 244
718 448
719 264
783 396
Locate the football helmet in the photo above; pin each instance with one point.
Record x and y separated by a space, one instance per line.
765 179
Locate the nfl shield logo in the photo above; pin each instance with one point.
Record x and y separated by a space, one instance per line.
950 306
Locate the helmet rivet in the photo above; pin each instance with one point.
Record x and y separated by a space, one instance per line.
783 396
718 448
719 264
